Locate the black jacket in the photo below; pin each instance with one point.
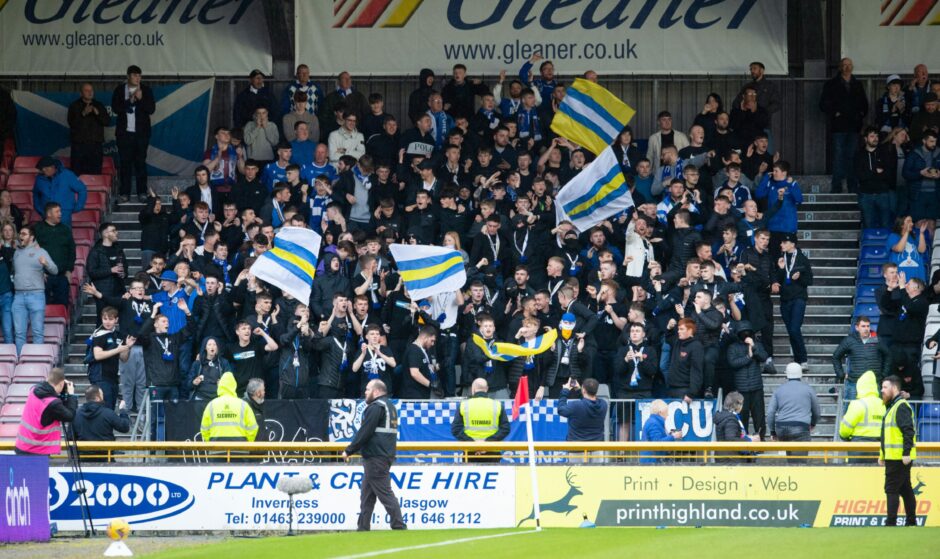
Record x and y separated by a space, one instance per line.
870 356
247 102
727 426
475 364
100 261
910 330
142 110
707 326
904 418
871 180
62 409
796 288
379 414
647 370
845 104
685 370
214 317
210 370
96 422
325 285
299 376
89 128
250 194
457 430
258 409
889 304
747 368
160 372
155 230
418 99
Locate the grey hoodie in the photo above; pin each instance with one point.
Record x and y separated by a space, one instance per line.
28 272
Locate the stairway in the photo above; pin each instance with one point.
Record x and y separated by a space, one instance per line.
829 230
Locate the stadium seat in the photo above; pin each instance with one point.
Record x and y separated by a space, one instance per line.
57 314
107 166
26 164
873 255
19 182
86 219
928 431
929 411
867 309
11 413
865 291
17 393
3 393
31 372
84 234
22 199
870 275
54 333
6 373
8 431
90 180
3 178
97 201
7 353
39 353
875 234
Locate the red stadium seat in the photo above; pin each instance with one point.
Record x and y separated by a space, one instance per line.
8 431
54 333
39 353
66 161
26 164
85 219
31 372
84 234
96 180
96 201
22 199
107 166
11 413
17 393
3 178
6 373
8 353
20 181
57 314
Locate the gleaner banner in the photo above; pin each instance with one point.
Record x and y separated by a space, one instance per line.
399 37
163 37
890 36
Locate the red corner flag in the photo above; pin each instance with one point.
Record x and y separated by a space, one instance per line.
522 397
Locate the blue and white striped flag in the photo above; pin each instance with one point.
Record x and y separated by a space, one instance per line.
598 192
429 270
292 263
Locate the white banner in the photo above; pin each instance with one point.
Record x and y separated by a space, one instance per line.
245 497
890 36
196 37
399 37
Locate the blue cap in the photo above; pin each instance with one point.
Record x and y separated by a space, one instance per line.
169 275
568 317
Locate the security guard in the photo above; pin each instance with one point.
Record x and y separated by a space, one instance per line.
898 441
862 419
228 417
377 438
481 419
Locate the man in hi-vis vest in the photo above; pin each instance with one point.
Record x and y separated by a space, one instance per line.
49 404
481 419
897 453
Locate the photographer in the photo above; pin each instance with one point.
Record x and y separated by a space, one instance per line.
49 404
585 416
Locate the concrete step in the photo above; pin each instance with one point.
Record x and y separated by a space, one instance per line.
831 291
830 254
837 271
810 232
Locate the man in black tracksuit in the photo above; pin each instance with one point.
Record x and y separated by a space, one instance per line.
758 276
686 369
377 439
162 353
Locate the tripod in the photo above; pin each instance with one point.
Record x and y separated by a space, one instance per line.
78 479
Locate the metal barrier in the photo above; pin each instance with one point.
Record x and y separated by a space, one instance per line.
764 453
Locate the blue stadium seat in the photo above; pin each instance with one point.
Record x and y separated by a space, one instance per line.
868 275
929 411
867 309
864 300
873 255
865 291
875 234
928 431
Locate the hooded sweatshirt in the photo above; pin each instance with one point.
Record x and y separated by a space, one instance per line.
210 369
585 417
155 230
868 407
63 188
325 285
95 422
418 100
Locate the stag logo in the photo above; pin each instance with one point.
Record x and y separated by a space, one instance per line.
919 488
561 506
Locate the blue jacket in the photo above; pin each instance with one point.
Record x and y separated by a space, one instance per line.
918 160
63 188
585 418
654 430
785 220
545 87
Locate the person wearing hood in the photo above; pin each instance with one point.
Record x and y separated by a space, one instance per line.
585 416
746 357
570 359
55 183
295 364
327 284
418 100
207 369
155 230
95 421
334 342
49 404
862 420
227 417
686 368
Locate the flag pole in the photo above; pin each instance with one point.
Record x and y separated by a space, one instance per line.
532 470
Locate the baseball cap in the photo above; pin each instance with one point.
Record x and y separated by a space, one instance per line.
169 275
794 371
893 78
789 237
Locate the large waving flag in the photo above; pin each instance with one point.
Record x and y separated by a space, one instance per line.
503 351
179 125
292 263
598 192
591 116
429 270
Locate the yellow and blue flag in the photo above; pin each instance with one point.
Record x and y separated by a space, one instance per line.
591 116
504 351
597 193
429 270
292 263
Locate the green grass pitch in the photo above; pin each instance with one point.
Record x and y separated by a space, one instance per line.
674 543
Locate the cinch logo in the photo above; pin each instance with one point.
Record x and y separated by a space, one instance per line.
134 498
917 13
356 13
16 499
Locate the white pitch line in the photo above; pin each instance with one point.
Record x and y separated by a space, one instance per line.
436 544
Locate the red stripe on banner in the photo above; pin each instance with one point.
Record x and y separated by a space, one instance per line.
893 14
342 21
918 12
338 5
371 13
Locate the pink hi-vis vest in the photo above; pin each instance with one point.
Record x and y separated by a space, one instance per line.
32 437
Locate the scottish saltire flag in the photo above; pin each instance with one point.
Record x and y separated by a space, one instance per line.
179 125
429 270
598 192
292 263
591 116
504 351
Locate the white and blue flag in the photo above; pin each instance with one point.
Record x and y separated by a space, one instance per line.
292 264
597 193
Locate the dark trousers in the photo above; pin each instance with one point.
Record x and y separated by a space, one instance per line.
164 393
844 145
877 209
329 393
794 433
708 367
898 486
86 158
793 312
132 150
57 290
109 389
767 332
603 365
376 484
291 392
754 410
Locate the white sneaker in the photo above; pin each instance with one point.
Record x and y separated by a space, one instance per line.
805 366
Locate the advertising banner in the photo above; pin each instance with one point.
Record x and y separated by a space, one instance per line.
246 498
890 36
23 483
719 496
693 420
399 37
284 421
197 37
178 137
